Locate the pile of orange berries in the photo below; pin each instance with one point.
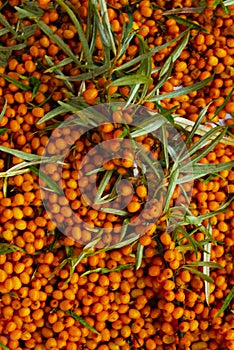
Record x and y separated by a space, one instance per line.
104 302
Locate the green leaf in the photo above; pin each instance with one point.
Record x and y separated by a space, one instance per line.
139 255
209 148
105 180
165 146
186 10
6 248
3 131
3 31
206 269
35 84
151 53
226 302
200 274
104 25
201 170
20 154
48 31
150 124
114 211
210 264
13 47
202 142
187 23
124 229
59 72
81 321
194 244
224 103
51 114
181 46
4 57
62 63
175 54
6 24
4 346
182 91
149 162
45 178
3 110
171 188
197 123
103 270
131 80
145 66
27 31
228 2
161 81
16 82
29 10
80 32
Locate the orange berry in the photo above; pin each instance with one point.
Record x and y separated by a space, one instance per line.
165 238
141 191
133 206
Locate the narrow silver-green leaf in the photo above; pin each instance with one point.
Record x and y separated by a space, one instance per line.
104 270
80 32
151 53
3 31
20 154
165 146
201 170
226 302
114 211
48 31
107 25
3 110
148 125
131 80
45 178
197 123
3 131
16 82
182 91
139 255
184 10
205 264
187 23
13 47
210 147
81 321
200 274
6 24
4 346
62 63
104 182
228 2
151 164
206 269
171 188
6 248
59 72
30 10
202 142
124 229
51 114
175 54
220 108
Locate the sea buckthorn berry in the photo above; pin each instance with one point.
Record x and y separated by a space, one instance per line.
141 191
165 238
169 255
